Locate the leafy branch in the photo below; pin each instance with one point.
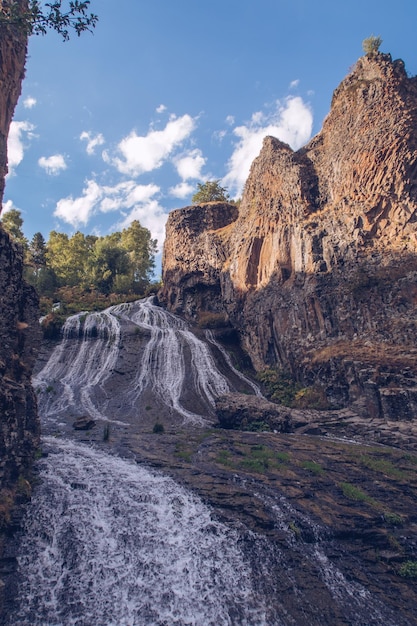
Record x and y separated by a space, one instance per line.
35 19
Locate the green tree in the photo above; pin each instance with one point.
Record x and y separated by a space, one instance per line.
109 264
35 17
12 223
141 248
210 191
371 45
37 251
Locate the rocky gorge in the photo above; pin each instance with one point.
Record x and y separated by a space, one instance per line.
314 274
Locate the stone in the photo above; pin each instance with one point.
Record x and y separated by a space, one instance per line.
317 270
84 422
243 412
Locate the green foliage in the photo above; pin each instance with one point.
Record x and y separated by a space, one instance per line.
408 569
381 465
36 18
354 493
371 45
87 267
256 458
12 223
313 467
281 387
393 519
210 191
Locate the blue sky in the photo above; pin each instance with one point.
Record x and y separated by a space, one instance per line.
124 123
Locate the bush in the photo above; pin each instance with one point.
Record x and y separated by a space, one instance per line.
158 428
281 387
371 45
210 191
408 569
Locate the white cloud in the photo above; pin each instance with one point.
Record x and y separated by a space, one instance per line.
161 108
29 102
131 200
182 190
79 210
189 165
144 154
92 141
294 83
219 135
230 119
151 215
291 122
53 165
19 131
8 206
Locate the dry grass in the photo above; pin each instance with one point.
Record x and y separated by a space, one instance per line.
372 353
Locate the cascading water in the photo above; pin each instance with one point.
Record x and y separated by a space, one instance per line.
171 365
108 542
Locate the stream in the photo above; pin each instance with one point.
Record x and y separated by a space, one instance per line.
111 542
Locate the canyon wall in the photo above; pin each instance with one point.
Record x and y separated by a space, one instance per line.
317 268
19 331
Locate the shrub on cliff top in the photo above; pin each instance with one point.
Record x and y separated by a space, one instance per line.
371 45
210 191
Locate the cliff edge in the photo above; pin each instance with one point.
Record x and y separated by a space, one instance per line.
19 335
317 269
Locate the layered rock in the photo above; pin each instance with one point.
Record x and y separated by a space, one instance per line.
19 328
318 270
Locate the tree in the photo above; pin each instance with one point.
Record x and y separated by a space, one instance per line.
371 45
31 17
141 248
37 251
210 191
12 223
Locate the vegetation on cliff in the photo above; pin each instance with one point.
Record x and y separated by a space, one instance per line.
85 272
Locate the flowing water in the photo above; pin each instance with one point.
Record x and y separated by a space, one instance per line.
108 542
171 367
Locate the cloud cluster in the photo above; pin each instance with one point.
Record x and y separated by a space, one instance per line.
92 141
29 102
131 200
19 134
53 165
140 154
8 206
290 121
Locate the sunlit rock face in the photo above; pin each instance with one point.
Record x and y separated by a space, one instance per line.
317 272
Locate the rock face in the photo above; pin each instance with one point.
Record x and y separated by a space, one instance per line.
19 331
317 271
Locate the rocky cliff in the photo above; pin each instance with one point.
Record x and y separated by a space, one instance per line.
19 330
317 269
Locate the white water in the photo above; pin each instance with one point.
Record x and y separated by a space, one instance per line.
163 367
174 366
110 543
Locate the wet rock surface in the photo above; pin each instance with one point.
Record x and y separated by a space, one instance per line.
327 520
315 501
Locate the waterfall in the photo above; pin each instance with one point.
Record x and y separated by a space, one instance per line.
170 366
108 542
111 543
